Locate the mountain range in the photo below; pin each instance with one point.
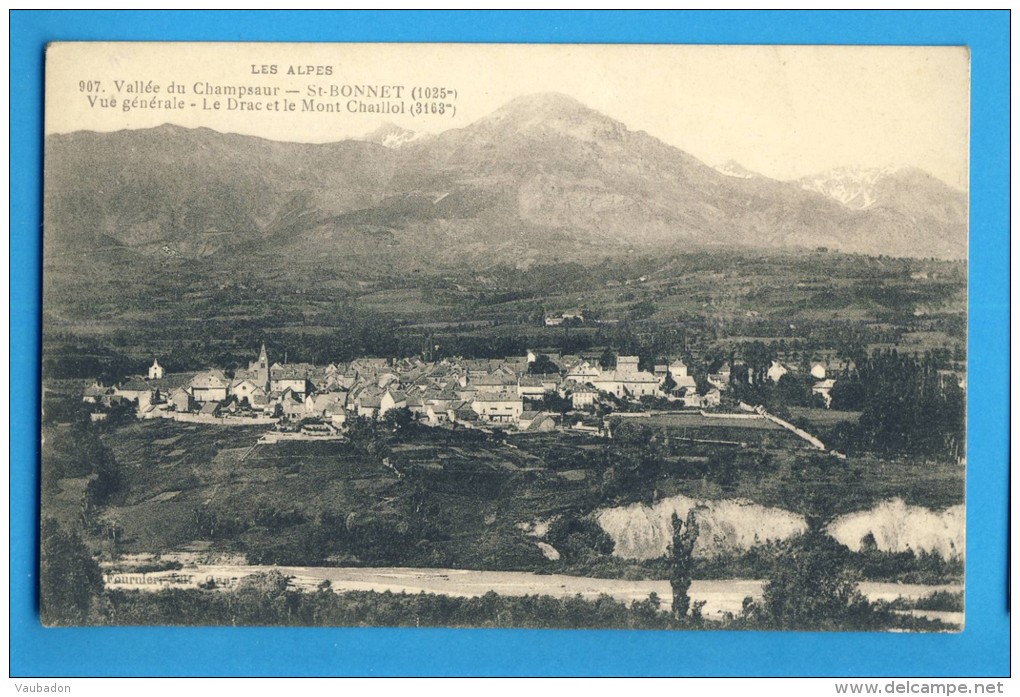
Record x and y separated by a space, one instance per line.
544 178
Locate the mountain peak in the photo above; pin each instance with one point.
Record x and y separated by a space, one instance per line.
547 102
554 112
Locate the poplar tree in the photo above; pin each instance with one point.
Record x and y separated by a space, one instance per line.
682 562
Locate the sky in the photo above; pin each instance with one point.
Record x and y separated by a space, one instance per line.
785 112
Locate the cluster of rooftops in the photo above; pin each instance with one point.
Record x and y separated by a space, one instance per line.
451 390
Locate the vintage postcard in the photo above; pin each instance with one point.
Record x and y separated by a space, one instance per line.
567 336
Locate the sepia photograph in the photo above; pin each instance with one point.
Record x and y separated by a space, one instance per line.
546 336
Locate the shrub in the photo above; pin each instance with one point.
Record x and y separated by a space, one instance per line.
69 578
813 587
578 538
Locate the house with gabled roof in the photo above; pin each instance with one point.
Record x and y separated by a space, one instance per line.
437 411
550 382
138 390
491 382
536 422
387 378
627 384
721 379
776 371
582 396
259 400
712 398
531 387
292 376
374 402
515 364
502 407
292 405
210 409
325 404
544 422
96 394
367 366
367 403
682 378
465 394
627 364
464 415
415 396
244 390
210 386
480 366
170 382
583 372
181 400
526 417
391 399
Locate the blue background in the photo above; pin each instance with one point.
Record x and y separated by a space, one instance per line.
982 649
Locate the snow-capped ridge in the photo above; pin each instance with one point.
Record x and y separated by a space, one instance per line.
853 187
390 135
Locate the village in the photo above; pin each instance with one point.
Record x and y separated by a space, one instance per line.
537 392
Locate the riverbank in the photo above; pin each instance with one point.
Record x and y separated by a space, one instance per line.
721 597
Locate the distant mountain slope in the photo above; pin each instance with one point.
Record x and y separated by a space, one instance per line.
198 191
732 168
543 178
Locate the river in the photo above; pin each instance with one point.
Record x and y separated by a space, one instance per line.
720 596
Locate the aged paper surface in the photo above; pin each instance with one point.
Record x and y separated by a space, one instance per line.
505 335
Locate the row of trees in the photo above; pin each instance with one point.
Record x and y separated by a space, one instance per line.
907 406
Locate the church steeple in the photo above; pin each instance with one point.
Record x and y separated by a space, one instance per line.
263 368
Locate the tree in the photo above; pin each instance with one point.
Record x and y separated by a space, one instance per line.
579 538
555 403
793 390
264 583
607 360
848 393
69 578
821 487
637 456
669 384
399 419
702 385
681 566
542 365
814 588
366 439
758 357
